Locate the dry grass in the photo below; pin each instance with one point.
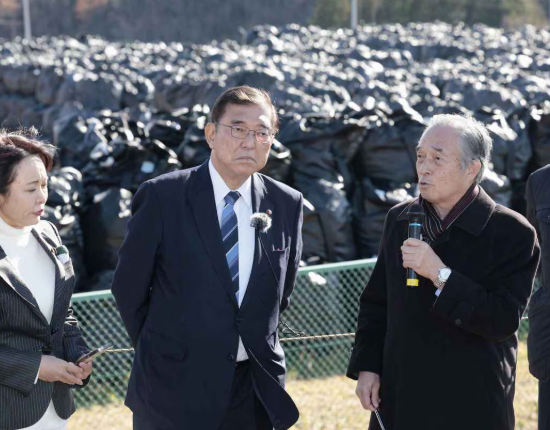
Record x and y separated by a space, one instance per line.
526 394
114 417
325 404
328 404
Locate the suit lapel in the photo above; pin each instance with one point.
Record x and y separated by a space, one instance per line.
9 275
262 261
204 210
47 245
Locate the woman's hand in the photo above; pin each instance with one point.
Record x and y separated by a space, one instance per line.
86 366
53 369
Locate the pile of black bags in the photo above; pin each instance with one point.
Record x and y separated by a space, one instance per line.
353 105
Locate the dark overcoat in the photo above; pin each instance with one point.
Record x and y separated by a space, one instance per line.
449 362
538 213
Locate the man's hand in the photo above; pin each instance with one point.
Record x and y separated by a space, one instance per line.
368 387
53 369
420 257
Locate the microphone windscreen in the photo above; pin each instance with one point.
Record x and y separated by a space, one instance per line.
260 221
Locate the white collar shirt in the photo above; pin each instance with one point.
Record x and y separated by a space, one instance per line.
247 242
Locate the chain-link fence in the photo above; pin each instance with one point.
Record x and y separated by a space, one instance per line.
324 308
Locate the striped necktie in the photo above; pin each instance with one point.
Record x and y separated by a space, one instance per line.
230 236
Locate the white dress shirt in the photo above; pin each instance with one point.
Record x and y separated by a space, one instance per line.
35 268
247 240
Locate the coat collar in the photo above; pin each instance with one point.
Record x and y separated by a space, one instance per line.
49 241
260 203
203 205
473 220
9 274
260 200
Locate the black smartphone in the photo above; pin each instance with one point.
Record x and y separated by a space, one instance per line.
94 353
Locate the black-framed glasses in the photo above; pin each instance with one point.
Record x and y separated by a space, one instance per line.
263 135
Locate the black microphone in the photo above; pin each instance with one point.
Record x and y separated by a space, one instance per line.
416 219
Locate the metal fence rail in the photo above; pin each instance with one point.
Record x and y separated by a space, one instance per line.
325 302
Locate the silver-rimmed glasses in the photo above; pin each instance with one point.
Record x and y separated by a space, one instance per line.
263 135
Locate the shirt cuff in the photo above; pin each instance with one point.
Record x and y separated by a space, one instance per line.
38 373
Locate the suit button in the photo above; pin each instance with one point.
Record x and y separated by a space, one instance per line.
458 321
55 330
239 320
231 357
47 349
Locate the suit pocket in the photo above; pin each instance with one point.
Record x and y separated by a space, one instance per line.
167 345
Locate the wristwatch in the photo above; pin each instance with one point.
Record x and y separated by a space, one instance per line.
442 277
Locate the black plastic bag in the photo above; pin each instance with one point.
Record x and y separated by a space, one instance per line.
372 204
104 228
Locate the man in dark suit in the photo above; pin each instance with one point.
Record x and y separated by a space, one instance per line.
442 354
538 214
201 291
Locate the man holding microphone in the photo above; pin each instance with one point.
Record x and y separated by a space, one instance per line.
442 354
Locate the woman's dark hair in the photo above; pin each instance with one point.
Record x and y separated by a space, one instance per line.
15 147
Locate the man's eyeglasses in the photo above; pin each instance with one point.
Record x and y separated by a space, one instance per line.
263 136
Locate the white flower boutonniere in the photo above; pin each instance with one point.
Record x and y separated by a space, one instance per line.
260 221
62 254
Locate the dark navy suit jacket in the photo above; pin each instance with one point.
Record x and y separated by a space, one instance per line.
175 296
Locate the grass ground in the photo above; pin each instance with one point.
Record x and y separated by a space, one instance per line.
325 404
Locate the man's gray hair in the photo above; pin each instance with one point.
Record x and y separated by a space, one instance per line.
476 143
